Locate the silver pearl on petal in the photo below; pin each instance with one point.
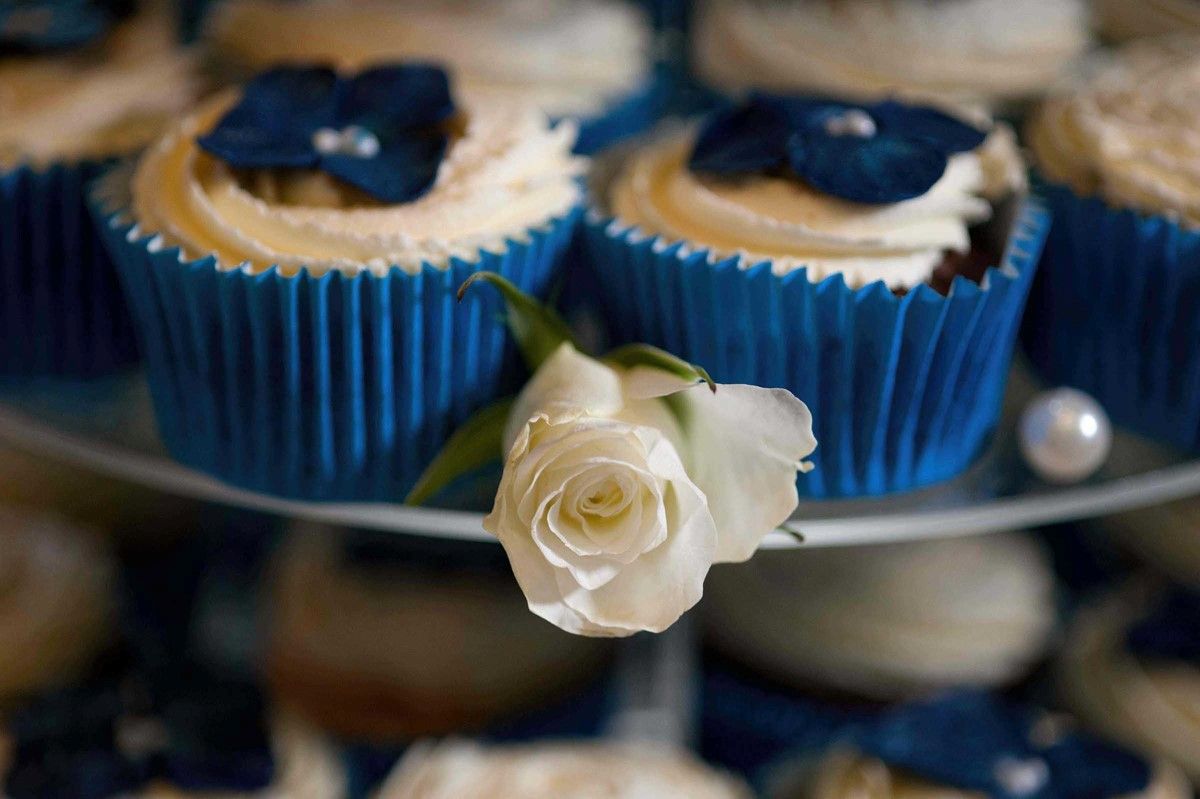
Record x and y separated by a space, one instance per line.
327 141
359 142
1021 777
853 122
1064 435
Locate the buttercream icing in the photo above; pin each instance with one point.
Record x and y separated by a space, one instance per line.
1119 20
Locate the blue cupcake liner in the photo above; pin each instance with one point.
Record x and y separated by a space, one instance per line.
321 388
627 116
904 391
1116 312
62 312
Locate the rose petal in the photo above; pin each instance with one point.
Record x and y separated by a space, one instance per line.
567 379
746 445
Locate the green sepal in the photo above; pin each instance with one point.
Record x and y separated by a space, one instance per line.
478 442
632 355
537 328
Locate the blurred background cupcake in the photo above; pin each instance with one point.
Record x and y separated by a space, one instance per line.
587 60
993 54
1121 20
438 644
971 744
841 251
460 770
1115 304
81 83
291 252
1166 537
1131 670
801 643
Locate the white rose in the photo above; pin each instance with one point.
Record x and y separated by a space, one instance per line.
622 487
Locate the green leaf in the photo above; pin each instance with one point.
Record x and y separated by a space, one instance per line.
474 445
632 355
537 328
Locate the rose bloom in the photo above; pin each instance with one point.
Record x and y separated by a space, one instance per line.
621 488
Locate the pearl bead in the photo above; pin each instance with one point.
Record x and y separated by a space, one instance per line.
854 122
327 141
1064 435
1022 777
359 142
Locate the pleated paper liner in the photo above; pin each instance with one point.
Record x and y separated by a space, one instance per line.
904 391
1115 312
329 387
62 312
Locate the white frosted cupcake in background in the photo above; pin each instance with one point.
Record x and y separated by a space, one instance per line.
1131 671
1167 537
460 770
579 59
1120 20
386 652
888 621
981 52
67 108
57 607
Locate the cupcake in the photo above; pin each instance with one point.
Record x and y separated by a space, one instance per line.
461 770
1113 309
79 86
1164 536
587 60
989 53
410 663
1120 20
889 621
291 252
843 252
57 612
971 745
1131 670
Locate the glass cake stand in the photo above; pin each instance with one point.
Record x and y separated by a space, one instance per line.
109 427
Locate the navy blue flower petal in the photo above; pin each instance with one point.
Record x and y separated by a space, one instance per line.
936 128
876 170
743 139
403 170
272 124
395 97
1085 768
1171 631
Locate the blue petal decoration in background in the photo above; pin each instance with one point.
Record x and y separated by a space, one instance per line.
874 154
967 740
397 111
1171 630
38 25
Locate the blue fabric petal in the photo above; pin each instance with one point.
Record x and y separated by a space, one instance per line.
877 170
403 171
744 139
395 97
961 740
1171 631
929 125
272 124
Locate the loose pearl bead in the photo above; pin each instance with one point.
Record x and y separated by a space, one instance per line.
854 122
1064 435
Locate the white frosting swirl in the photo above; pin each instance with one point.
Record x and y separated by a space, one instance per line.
784 221
1119 20
967 51
845 774
888 621
459 770
569 57
412 656
105 100
1149 705
1131 134
56 602
507 173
